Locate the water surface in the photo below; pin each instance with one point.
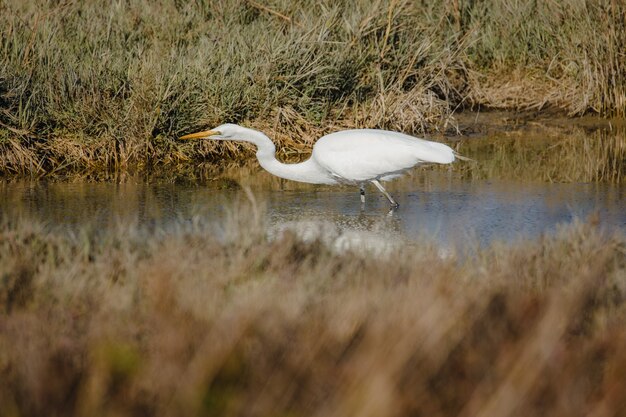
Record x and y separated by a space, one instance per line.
447 210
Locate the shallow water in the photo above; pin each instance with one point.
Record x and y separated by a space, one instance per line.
525 183
444 209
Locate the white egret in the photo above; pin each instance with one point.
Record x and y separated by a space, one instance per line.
355 156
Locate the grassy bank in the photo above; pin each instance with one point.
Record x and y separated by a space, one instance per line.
93 88
135 322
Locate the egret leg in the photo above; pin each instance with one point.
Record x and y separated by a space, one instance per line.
362 189
382 190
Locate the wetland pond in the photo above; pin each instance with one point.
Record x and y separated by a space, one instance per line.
524 184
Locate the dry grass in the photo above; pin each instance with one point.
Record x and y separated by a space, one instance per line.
566 55
92 88
134 322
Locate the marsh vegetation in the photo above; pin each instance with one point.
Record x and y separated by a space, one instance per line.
128 321
89 88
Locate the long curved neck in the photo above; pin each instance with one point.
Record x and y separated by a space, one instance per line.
307 171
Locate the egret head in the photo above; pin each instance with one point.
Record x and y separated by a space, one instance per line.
225 131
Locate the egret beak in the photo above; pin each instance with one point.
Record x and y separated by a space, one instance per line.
199 135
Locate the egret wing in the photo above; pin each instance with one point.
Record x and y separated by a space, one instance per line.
365 154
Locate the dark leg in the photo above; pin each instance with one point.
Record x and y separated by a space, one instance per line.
382 190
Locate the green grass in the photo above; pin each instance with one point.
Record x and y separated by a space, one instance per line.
126 321
102 88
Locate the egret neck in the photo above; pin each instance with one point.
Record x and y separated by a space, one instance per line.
308 171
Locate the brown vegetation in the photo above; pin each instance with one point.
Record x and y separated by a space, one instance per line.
87 87
136 322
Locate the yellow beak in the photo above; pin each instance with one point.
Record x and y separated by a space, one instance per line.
204 134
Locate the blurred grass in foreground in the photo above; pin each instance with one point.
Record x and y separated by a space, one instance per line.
133 322
93 87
